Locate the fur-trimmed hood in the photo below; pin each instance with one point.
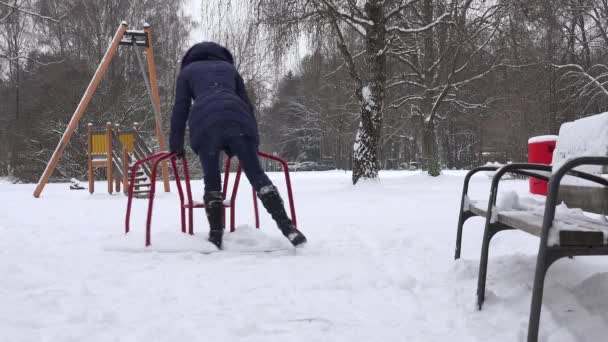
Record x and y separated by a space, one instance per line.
207 51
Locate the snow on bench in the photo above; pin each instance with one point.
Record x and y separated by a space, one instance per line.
571 227
583 137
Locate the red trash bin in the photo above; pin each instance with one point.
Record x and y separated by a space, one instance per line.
540 151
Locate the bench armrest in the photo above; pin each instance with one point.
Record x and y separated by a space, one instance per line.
470 174
528 169
524 169
465 189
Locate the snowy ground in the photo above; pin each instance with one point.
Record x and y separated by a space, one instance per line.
378 267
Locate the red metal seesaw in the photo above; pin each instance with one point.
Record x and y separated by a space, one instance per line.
157 158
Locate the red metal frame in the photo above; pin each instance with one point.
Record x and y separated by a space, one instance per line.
292 206
157 158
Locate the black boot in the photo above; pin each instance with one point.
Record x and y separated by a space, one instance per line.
214 207
274 205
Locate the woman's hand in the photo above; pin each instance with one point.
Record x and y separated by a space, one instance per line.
179 152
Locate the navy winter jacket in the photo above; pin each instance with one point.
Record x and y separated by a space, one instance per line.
209 91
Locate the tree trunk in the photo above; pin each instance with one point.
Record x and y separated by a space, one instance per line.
365 149
365 154
430 149
17 124
13 164
584 41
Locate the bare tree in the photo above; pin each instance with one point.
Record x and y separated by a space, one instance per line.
439 63
383 84
582 78
232 24
20 7
15 44
373 21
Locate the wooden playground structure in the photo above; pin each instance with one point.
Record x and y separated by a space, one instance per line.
114 149
124 37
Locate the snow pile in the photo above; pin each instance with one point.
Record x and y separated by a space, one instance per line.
508 201
511 201
584 137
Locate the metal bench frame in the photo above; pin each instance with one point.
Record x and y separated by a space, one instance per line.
547 255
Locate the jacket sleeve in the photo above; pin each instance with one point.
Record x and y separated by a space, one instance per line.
181 111
242 93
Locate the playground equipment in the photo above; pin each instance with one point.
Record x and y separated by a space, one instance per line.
114 150
187 202
133 38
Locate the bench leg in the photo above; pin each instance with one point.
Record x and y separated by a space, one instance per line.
544 261
490 231
462 218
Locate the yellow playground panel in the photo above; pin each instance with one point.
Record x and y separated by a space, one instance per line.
114 157
99 142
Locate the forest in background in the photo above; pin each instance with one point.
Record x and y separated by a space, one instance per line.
442 84
384 84
49 51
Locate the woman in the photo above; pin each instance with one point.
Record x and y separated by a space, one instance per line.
222 119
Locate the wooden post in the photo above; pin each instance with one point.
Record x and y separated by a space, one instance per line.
124 156
110 158
117 180
82 106
156 100
125 170
90 158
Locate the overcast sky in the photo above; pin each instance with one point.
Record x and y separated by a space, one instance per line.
194 7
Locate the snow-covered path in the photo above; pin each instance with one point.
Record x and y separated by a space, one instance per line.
378 267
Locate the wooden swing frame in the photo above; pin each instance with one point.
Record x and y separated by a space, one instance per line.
90 91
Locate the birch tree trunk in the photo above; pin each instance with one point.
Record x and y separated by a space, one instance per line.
365 149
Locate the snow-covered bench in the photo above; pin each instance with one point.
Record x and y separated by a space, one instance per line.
576 178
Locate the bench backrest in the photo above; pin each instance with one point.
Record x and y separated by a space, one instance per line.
584 137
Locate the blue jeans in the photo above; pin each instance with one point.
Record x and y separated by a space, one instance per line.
230 137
